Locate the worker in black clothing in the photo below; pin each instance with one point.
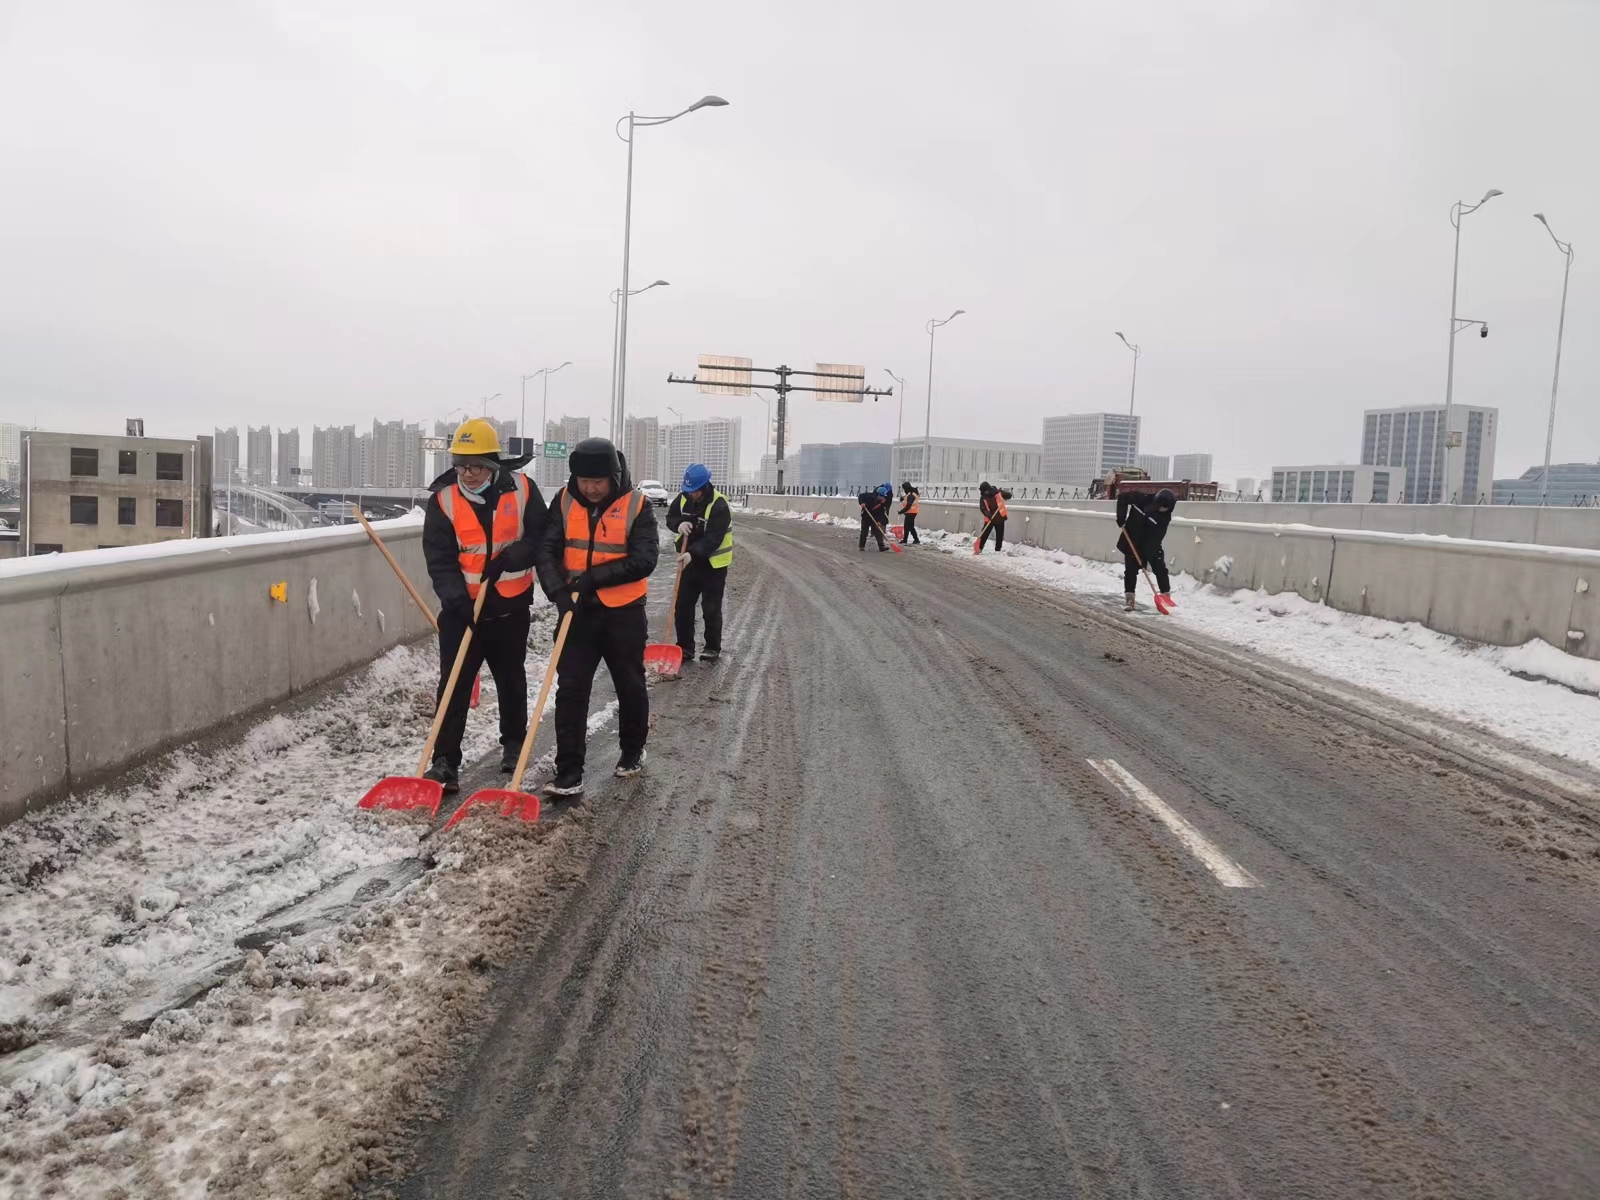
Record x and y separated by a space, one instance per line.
992 508
703 521
483 523
1143 521
875 513
909 507
601 543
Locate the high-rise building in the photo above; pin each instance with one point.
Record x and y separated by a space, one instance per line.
332 450
396 456
1082 447
714 442
225 460
289 458
551 473
1158 466
641 444
361 461
1193 467
1570 484
258 455
1414 438
10 453
965 460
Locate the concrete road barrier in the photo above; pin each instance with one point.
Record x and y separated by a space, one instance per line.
1502 593
108 657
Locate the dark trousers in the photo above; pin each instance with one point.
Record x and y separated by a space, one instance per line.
702 584
615 636
1156 560
910 520
502 642
868 525
998 528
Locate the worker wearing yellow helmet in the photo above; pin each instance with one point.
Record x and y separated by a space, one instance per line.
481 525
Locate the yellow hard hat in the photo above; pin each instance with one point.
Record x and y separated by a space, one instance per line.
476 436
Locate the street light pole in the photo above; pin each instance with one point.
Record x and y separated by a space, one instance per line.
1134 385
1457 210
900 421
927 428
1555 378
486 402
616 318
634 121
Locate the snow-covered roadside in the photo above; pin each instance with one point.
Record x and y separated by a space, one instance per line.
117 904
1484 686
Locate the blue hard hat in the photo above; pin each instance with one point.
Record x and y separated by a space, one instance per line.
696 477
885 490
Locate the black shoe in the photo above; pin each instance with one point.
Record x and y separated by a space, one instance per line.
711 656
883 549
688 653
508 759
568 783
442 772
627 767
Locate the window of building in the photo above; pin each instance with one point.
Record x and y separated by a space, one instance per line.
169 466
47 547
84 462
169 514
1380 487
127 510
85 510
127 462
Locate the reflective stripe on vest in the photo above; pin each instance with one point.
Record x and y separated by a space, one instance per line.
724 555
510 514
606 542
911 504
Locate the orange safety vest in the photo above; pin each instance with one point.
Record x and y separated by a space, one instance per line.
998 513
510 514
910 508
606 542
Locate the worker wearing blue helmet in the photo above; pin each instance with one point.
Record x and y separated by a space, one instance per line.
703 520
875 514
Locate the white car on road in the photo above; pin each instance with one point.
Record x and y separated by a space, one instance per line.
654 492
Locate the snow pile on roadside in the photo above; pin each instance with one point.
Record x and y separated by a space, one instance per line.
1483 686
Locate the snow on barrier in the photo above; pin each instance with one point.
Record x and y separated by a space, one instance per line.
110 656
1501 593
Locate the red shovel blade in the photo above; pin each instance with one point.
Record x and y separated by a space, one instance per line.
665 657
898 530
504 801
1165 603
477 686
402 793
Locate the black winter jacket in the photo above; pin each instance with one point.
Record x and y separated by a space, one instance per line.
875 504
644 548
1147 527
442 551
706 528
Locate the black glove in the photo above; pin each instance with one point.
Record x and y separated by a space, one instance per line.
564 602
460 607
494 568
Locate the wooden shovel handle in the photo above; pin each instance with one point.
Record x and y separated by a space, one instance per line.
384 550
672 609
544 695
450 687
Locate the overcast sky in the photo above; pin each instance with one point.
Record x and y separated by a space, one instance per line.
319 211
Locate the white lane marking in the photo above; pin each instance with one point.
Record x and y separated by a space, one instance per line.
1228 872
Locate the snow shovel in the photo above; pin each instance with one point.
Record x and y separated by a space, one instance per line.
1164 603
513 801
406 583
406 792
893 545
667 657
977 542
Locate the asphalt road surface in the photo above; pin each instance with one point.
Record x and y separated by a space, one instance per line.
943 884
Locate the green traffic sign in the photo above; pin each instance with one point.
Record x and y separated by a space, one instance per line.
555 449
